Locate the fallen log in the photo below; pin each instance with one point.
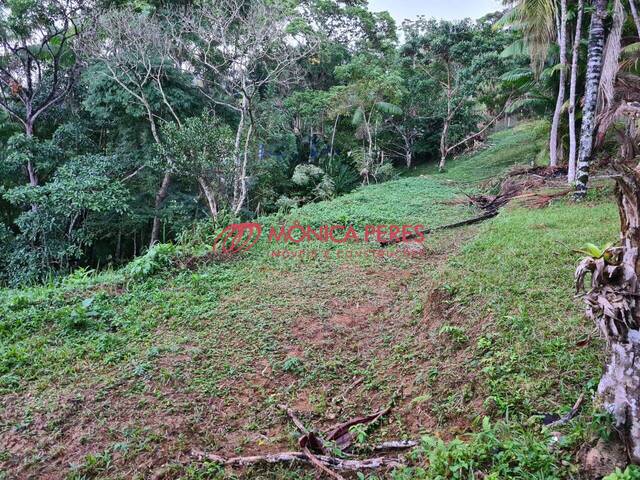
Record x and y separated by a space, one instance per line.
470 221
339 464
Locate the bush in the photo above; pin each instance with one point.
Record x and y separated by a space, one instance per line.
631 473
500 451
156 259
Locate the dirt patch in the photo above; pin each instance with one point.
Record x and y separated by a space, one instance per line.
350 341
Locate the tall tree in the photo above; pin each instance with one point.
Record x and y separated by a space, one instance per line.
136 53
573 84
555 124
37 68
594 71
242 50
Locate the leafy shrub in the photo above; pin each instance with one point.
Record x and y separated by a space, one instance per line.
156 259
314 182
81 315
345 178
631 473
500 451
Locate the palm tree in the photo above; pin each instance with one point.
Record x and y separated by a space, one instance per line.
594 72
540 24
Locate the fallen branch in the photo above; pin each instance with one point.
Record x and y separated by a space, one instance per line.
395 445
321 466
296 421
301 457
341 433
470 221
570 415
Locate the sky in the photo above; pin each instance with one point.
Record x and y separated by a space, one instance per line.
446 9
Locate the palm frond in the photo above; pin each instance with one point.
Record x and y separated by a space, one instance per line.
358 117
388 108
536 19
517 48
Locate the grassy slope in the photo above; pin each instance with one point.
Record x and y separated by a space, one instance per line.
146 371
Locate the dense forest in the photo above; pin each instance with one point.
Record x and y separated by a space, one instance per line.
127 123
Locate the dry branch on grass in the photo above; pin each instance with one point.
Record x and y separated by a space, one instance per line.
340 464
315 452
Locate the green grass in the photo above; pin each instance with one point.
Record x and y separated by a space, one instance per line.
521 145
158 360
404 201
518 272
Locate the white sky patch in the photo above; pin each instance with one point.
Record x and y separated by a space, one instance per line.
444 9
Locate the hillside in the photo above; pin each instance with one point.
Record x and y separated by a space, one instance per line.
113 376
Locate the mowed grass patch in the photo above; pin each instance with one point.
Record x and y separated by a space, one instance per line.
521 145
516 278
405 201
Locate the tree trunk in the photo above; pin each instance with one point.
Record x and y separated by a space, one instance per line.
611 59
210 196
242 192
237 154
575 57
333 137
31 171
443 146
634 12
555 125
160 197
612 304
594 70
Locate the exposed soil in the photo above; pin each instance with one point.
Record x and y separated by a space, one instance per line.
361 342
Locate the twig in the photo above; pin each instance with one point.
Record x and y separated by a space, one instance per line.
348 389
572 413
296 421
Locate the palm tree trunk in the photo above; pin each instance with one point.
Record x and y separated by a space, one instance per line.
594 71
555 126
610 62
575 57
612 302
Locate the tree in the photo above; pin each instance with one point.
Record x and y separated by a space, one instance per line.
454 56
573 84
372 92
202 148
555 124
136 53
594 71
37 67
242 50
